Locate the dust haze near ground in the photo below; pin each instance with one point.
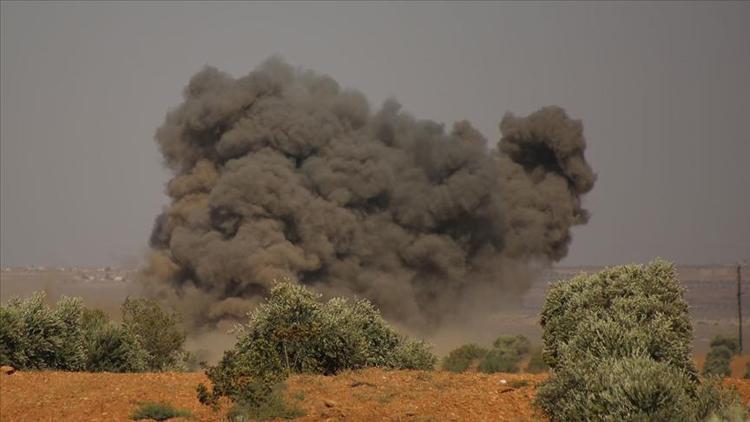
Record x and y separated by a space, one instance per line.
711 294
282 173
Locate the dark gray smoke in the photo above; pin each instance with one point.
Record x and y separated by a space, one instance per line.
284 173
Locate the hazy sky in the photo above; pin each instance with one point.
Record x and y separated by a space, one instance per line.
663 91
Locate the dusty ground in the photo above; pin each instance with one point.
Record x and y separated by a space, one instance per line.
366 395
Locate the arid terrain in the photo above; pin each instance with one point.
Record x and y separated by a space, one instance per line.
371 394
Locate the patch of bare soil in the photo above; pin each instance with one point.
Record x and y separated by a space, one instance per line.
371 394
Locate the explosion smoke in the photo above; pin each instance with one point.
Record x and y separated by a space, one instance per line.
284 173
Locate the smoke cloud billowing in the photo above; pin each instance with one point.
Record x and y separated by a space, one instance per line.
284 173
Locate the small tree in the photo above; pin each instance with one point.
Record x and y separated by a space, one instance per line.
113 348
618 344
158 332
293 332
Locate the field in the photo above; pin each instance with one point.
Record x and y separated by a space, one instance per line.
371 394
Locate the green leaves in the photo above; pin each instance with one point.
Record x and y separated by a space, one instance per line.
293 331
618 343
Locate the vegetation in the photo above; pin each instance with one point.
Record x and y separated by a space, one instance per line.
747 370
536 362
294 332
462 358
730 342
618 343
718 362
158 412
72 337
504 356
158 332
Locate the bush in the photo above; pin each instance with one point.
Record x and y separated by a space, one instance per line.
642 293
158 412
157 330
618 343
747 370
115 349
71 337
731 343
293 332
460 359
499 360
536 362
33 336
718 362
273 407
635 388
517 344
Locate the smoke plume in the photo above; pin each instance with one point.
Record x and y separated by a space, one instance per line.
284 173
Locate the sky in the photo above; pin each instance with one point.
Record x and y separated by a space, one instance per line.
663 90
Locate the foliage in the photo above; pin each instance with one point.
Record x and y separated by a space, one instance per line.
640 293
158 412
618 343
71 337
506 354
747 370
157 331
114 348
460 359
635 388
536 362
718 361
34 336
730 342
294 332
517 344
273 407
499 360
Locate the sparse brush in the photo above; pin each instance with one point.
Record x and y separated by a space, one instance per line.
294 332
718 362
500 360
730 342
460 359
159 412
536 362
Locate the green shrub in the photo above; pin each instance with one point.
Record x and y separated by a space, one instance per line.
618 343
294 332
460 359
517 344
33 336
113 348
641 292
621 334
499 360
731 343
12 338
536 362
718 362
747 370
635 388
273 407
158 412
158 331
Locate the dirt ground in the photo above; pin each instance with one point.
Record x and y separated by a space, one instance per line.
366 395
